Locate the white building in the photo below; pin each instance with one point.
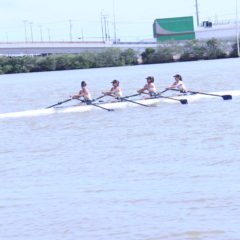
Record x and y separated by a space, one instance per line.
220 31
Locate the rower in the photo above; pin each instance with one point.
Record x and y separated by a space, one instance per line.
150 87
84 93
178 84
115 90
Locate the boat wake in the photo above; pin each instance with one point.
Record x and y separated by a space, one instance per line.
42 112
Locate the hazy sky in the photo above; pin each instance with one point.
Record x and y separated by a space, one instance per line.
133 18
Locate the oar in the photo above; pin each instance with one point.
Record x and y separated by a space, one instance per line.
67 100
134 95
163 91
108 109
95 105
99 98
123 98
182 101
224 97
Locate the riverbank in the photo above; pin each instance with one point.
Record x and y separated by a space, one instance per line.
112 57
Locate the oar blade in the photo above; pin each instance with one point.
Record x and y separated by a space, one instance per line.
184 101
227 97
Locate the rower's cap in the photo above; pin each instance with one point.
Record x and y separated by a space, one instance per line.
177 75
150 77
115 81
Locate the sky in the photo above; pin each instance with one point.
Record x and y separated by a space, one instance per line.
77 20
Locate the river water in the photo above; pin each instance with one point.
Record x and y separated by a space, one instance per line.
167 172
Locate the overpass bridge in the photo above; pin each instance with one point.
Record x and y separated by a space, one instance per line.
38 48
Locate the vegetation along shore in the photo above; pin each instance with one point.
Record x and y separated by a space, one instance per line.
164 53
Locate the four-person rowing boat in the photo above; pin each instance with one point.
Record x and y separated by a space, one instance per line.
149 91
110 105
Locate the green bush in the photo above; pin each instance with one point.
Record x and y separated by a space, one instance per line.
234 51
167 52
88 59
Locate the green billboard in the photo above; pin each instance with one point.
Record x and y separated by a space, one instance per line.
180 28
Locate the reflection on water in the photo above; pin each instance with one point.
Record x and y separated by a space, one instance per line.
168 172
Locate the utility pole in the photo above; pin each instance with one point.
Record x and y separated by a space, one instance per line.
7 37
114 23
49 35
108 34
41 35
25 30
102 26
197 13
82 36
31 23
237 30
70 30
106 27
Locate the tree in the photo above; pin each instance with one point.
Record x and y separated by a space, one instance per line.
214 50
147 55
234 51
193 50
129 56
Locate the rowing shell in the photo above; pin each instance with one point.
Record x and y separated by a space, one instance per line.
111 105
146 101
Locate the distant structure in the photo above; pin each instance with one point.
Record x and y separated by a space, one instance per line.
182 28
208 30
179 28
